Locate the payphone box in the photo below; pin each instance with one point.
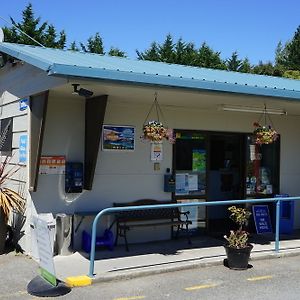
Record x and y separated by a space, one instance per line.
74 177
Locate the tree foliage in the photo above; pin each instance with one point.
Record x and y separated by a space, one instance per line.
180 52
288 56
234 63
44 33
116 52
94 44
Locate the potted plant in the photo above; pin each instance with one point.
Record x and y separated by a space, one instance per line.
155 131
237 247
264 134
9 201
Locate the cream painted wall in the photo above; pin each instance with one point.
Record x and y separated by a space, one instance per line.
130 175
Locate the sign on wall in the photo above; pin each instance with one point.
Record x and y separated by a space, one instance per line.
23 104
23 149
118 138
156 151
53 165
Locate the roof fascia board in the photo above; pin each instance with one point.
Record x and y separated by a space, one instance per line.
37 62
139 78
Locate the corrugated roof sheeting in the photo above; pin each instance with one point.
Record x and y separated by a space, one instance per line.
72 63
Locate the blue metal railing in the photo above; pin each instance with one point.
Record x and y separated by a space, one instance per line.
112 210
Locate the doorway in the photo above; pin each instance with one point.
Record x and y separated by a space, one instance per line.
225 175
216 166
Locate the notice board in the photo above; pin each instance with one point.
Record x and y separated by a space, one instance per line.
262 218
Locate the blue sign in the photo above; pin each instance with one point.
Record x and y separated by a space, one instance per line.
23 149
23 104
262 218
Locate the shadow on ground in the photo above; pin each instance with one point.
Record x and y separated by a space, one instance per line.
174 247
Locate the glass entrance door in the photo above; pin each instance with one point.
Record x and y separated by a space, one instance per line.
190 171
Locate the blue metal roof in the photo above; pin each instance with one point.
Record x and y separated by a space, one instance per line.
88 65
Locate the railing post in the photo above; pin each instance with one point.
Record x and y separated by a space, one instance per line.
277 226
93 246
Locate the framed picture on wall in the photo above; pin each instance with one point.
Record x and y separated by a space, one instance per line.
118 138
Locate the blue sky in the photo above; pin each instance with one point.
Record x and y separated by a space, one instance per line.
253 27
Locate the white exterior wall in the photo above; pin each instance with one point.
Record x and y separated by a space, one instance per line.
128 176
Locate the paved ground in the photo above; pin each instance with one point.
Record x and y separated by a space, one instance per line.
16 271
153 258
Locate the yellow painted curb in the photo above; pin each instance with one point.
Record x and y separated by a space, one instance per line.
78 281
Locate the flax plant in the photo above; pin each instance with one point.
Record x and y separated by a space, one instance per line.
9 199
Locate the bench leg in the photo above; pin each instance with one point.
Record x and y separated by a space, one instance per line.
117 234
177 232
188 234
126 243
122 232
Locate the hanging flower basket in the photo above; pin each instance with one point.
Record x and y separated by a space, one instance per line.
155 131
264 134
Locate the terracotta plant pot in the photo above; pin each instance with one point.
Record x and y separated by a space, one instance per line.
238 259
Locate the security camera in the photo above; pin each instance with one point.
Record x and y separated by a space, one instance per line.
85 93
81 92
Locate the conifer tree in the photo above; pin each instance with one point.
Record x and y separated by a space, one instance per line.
44 33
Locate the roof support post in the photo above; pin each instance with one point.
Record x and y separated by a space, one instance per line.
38 110
94 117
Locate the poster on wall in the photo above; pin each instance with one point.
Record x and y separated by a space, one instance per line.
53 165
118 138
156 151
199 160
182 186
23 148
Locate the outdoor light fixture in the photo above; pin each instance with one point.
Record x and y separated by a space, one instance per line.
249 109
81 92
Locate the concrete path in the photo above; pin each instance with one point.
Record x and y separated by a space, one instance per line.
166 256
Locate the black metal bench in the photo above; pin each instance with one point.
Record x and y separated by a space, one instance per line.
126 220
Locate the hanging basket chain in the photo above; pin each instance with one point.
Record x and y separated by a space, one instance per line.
151 108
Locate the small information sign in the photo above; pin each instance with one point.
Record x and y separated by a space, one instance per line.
53 165
23 104
262 218
45 251
23 149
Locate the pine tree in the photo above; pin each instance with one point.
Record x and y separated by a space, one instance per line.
73 46
288 56
293 52
43 33
233 63
94 45
166 50
150 54
208 58
245 66
116 52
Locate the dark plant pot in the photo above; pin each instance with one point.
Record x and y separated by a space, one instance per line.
3 232
238 259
